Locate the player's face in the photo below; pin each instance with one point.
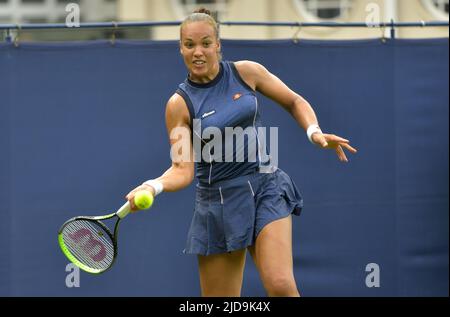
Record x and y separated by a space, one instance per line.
200 47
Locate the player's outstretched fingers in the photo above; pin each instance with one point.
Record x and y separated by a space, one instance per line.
341 155
349 148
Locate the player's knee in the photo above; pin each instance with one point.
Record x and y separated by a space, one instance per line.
281 285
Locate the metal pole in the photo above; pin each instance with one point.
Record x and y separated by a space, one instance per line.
392 29
229 23
8 37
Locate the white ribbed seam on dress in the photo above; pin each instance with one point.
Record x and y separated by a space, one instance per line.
221 197
251 188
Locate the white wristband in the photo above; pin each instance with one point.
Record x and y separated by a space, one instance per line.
157 186
313 128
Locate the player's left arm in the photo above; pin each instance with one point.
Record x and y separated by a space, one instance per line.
260 79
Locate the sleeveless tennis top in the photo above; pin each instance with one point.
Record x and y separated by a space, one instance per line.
224 120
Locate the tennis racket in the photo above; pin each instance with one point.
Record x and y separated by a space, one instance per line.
88 242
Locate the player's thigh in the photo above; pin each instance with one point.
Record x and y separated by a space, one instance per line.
272 251
221 274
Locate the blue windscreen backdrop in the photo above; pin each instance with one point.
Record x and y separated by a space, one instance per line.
81 124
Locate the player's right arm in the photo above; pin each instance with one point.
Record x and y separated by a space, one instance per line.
181 172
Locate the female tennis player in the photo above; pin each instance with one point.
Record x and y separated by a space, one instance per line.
239 206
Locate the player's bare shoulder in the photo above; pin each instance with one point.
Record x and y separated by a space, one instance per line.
251 72
177 110
246 67
249 66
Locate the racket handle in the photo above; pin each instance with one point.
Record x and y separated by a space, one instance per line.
124 210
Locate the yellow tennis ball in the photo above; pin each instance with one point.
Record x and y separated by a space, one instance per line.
143 199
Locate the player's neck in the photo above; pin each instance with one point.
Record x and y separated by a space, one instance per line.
207 77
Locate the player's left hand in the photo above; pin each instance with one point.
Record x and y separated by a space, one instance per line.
331 141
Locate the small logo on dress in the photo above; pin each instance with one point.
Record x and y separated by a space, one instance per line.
237 96
206 114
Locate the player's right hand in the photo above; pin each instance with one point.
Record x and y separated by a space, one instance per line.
130 196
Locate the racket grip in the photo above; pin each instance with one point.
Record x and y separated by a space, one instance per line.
124 210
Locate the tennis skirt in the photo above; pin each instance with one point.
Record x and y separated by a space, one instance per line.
229 214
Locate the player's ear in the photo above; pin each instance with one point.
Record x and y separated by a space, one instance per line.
218 47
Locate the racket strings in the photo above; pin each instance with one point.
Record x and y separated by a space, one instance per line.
88 246
89 243
89 251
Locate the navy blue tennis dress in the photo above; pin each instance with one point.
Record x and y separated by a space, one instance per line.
238 192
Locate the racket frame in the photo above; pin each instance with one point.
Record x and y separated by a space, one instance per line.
96 220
